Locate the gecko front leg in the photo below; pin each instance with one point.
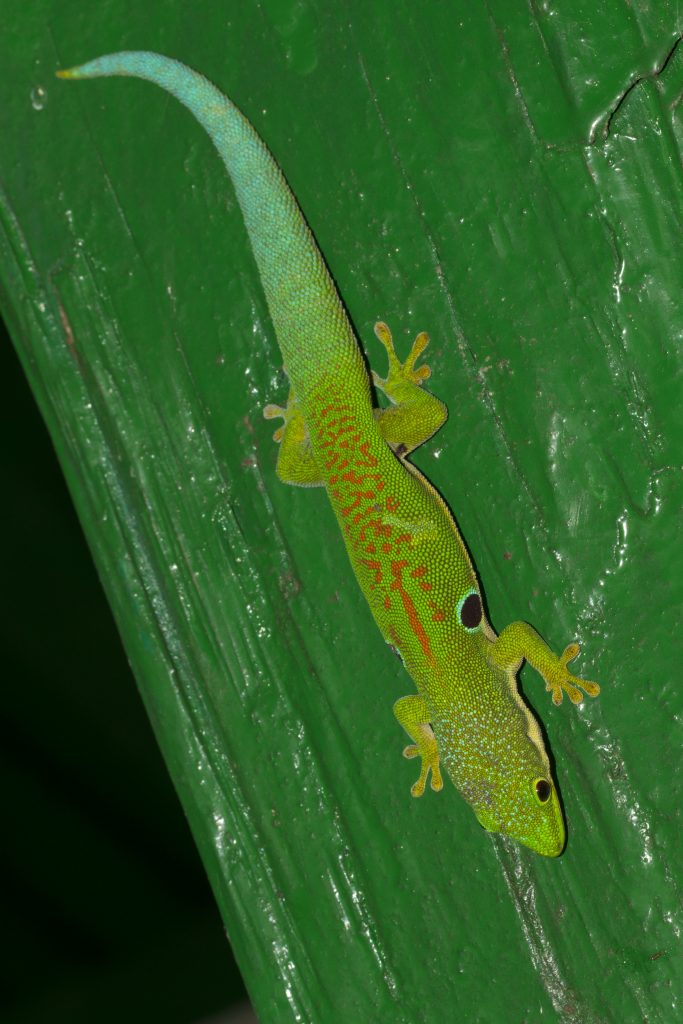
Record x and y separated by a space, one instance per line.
519 641
413 714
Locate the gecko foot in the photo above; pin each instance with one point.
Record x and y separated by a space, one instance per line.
559 678
401 373
428 751
275 412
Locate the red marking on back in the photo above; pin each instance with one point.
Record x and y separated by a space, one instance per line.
379 528
367 455
349 508
333 436
340 419
387 602
425 586
371 549
392 503
439 614
355 478
361 515
404 538
410 609
420 571
358 497
329 437
386 548
332 407
371 563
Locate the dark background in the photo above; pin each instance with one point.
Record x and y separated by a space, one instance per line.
107 911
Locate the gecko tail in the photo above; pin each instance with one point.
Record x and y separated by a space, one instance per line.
313 331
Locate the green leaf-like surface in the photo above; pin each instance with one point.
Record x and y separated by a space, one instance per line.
512 183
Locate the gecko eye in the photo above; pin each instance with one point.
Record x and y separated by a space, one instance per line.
543 790
469 611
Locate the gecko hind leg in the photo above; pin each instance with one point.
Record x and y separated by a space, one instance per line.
413 714
296 463
414 415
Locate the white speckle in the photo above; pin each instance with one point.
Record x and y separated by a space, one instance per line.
620 278
38 98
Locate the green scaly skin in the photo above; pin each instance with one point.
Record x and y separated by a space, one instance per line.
404 547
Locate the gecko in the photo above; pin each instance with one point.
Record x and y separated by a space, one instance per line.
467 718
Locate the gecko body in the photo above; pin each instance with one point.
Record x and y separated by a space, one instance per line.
403 544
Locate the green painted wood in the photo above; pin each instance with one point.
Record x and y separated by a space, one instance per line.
510 181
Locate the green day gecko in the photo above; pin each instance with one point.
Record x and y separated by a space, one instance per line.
405 550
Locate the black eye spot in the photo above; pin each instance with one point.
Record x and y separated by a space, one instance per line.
543 790
470 611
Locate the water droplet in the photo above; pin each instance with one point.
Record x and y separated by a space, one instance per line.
38 97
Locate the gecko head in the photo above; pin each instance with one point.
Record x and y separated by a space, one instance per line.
524 806
523 803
